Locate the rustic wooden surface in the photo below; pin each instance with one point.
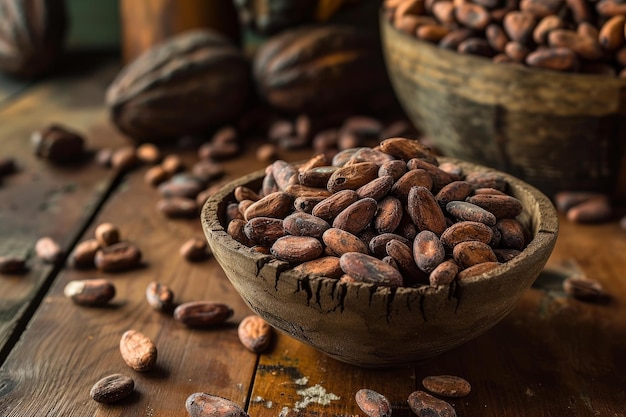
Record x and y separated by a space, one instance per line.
552 356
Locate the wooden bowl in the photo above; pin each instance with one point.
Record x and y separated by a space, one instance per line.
557 131
373 326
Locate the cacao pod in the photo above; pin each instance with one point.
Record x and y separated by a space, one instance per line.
270 16
32 33
320 69
189 84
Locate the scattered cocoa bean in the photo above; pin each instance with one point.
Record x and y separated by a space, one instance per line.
202 313
48 249
178 207
201 404
584 289
118 257
107 234
58 144
254 333
83 255
195 250
372 403
124 159
159 296
90 292
138 351
12 265
148 153
425 405
447 385
112 388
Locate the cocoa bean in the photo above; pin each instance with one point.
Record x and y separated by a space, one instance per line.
138 351
413 178
501 206
472 252
365 268
112 388
377 188
90 292
424 211
444 273
388 215
327 266
278 205
428 251
255 334
331 206
83 255
194 250
378 245
118 257
352 177
584 289
159 296
201 404
425 405
464 231
263 230
178 207
394 168
465 211
476 270
356 216
372 403
202 313
447 385
107 234
48 250
296 249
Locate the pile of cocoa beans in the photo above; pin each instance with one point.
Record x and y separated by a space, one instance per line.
564 35
390 215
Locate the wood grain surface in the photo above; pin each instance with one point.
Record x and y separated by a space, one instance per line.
552 356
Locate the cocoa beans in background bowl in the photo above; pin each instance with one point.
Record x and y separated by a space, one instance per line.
558 130
32 34
375 323
190 84
321 69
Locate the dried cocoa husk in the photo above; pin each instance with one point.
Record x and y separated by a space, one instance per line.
320 69
32 33
189 84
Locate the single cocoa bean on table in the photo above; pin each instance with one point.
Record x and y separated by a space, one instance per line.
254 333
138 351
201 404
373 403
112 388
447 385
202 313
90 292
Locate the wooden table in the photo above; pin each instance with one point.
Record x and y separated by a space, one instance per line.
552 356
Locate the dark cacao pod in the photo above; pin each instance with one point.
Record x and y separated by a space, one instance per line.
187 85
32 33
320 69
270 16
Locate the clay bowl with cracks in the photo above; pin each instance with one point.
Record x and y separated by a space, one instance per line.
376 326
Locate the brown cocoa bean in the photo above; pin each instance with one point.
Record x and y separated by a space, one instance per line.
278 205
541 8
559 59
611 34
330 207
266 153
425 405
59 144
472 252
112 388
352 177
365 268
244 193
403 256
298 190
431 33
454 191
581 10
356 216
516 51
472 16
439 177
371 155
181 185
340 241
584 289
584 46
48 250
476 270
284 174
263 230
317 177
148 153
501 206
159 296
172 164
564 200
475 46
465 211
178 207
464 231
90 292
118 257
107 234
519 26
388 215
406 149
444 273
303 224
610 8
194 249
453 39
376 189
372 403
327 266
236 230
124 159
83 255
202 313
255 334
444 12
155 175
512 233
428 251
496 37
201 404
424 211
413 178
395 168
138 351
306 204
447 385
595 210
296 249
480 179
378 245
505 255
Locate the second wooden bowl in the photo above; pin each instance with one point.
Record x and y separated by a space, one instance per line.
557 131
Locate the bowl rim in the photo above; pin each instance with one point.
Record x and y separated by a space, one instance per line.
545 236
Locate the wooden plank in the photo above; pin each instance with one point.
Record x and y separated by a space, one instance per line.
46 200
